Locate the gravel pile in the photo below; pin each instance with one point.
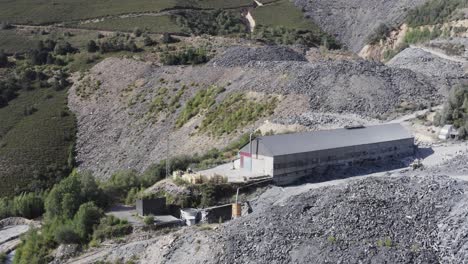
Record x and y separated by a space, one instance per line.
376 220
445 73
352 21
241 55
316 120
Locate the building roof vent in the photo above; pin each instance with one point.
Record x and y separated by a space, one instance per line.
354 127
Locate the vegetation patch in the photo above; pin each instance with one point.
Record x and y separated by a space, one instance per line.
422 34
218 22
283 23
36 150
188 56
153 24
455 111
435 12
236 111
202 100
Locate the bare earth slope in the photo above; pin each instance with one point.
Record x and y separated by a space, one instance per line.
116 129
351 21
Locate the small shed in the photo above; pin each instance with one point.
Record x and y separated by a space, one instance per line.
154 206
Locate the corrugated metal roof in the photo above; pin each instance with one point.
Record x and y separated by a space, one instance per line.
278 145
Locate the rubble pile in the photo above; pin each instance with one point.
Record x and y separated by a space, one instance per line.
443 72
376 220
242 55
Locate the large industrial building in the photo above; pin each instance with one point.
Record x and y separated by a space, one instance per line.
289 157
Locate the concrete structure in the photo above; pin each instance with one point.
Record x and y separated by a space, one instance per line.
289 157
167 221
190 216
154 206
216 214
447 132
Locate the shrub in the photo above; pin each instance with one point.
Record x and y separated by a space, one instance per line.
3 59
417 35
65 234
218 22
33 249
63 48
185 57
121 183
85 219
137 32
28 205
149 220
110 227
381 32
148 41
92 46
434 12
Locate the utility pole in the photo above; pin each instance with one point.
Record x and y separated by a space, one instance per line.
168 155
250 148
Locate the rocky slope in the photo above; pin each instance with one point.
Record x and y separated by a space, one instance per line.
117 129
351 22
442 69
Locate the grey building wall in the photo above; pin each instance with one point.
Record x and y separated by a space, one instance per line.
156 206
289 168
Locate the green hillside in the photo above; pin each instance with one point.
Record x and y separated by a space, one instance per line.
49 11
35 148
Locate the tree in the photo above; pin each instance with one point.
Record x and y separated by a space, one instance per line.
92 46
85 219
3 59
63 48
137 32
66 197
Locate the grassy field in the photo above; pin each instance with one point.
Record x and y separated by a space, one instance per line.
282 13
154 24
12 42
21 40
49 11
32 145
